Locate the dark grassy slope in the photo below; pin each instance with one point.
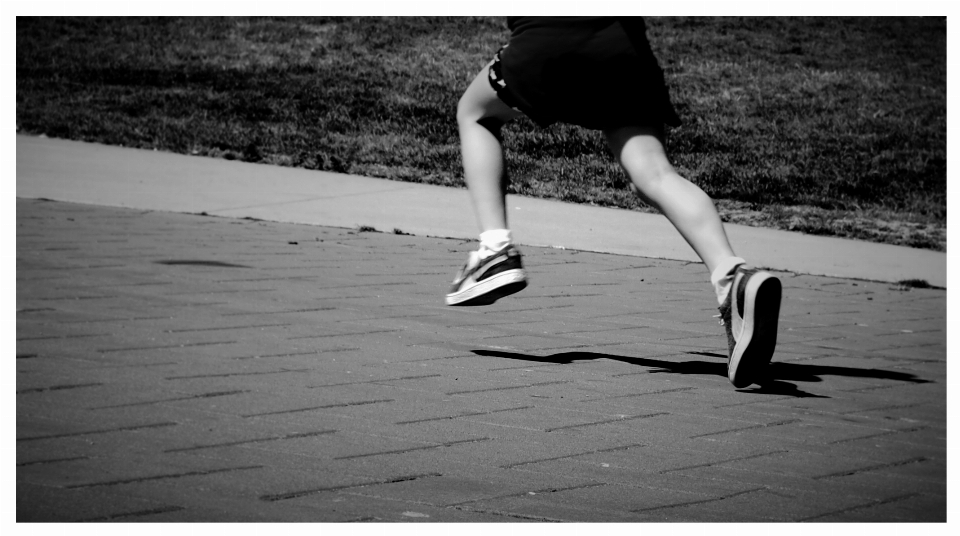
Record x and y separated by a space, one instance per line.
824 125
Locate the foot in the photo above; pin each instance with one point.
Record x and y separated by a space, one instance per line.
750 313
482 282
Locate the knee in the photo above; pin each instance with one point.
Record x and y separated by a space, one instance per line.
467 110
647 183
471 114
641 154
646 174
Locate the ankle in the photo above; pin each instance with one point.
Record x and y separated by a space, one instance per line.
722 276
493 241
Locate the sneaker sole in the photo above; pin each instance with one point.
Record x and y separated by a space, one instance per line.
490 290
761 315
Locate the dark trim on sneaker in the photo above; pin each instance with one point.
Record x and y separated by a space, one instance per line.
482 282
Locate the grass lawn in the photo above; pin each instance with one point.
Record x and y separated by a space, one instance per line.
832 126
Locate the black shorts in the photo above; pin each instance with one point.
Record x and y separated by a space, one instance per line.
595 72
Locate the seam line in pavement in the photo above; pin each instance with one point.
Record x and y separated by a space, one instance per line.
281 312
36 310
764 401
62 337
412 449
527 367
460 356
231 374
343 334
202 292
76 298
55 460
145 284
539 519
163 347
507 388
862 506
363 285
552 348
506 311
525 493
881 408
293 354
597 423
871 388
134 319
302 493
372 318
558 296
259 440
598 451
287 278
104 431
691 503
138 513
458 416
661 392
918 459
177 399
57 388
754 427
718 462
320 298
632 313
163 477
225 328
603 330
328 406
378 381
881 434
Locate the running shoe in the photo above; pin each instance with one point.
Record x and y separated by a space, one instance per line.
484 281
750 314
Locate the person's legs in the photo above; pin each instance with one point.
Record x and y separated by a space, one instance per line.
480 114
641 153
496 270
749 299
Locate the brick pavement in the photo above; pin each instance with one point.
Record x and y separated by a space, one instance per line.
177 367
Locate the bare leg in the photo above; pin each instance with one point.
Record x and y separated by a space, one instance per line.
480 114
641 154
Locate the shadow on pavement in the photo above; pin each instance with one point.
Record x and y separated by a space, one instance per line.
774 383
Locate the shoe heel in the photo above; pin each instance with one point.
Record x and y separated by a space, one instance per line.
765 324
754 350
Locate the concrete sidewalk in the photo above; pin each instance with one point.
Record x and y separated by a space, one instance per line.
176 367
113 176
